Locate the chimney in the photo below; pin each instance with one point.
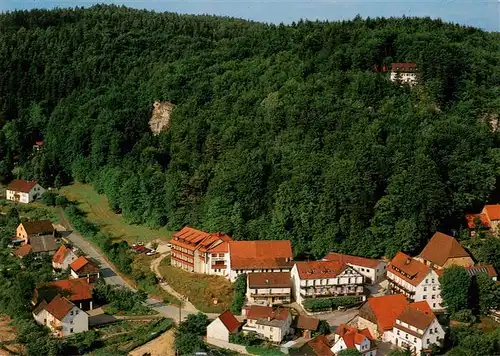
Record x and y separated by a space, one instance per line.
408 260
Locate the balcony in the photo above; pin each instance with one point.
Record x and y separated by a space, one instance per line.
269 295
219 266
330 293
396 286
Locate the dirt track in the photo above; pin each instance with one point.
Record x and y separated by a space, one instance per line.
161 346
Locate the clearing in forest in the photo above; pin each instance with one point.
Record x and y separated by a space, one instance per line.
98 211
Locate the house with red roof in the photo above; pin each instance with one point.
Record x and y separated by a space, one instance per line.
63 257
23 191
443 251
200 252
78 291
488 219
348 337
84 268
271 323
405 72
372 269
259 256
269 288
306 325
325 279
417 328
61 316
224 325
416 280
317 346
28 229
487 269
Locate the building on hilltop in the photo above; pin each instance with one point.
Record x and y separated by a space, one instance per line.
372 269
24 191
489 219
443 251
405 72
325 279
414 279
269 288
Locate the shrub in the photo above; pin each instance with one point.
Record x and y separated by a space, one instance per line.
318 304
48 198
240 289
464 316
62 201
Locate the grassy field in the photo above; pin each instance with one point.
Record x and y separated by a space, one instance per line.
98 211
32 211
199 288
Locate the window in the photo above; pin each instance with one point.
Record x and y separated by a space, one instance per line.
425 289
425 297
71 313
427 281
398 332
434 288
435 330
76 312
406 336
427 341
414 339
433 305
430 331
71 322
71 330
433 296
433 280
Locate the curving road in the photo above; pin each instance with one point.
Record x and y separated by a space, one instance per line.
111 276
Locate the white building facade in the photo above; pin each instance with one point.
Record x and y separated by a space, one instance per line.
24 191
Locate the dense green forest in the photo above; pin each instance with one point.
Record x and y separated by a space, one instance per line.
278 132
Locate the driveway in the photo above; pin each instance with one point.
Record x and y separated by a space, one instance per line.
338 317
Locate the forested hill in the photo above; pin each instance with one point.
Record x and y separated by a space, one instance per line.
278 132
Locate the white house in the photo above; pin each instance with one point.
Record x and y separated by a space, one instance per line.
271 323
24 191
323 279
62 317
415 280
268 288
223 326
372 269
417 329
63 258
348 337
406 73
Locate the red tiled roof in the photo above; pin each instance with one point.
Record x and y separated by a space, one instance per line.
416 317
59 307
307 323
414 271
269 280
60 254
355 260
18 185
78 288
442 247
193 239
220 248
471 217
321 346
229 321
405 66
23 250
260 254
261 312
423 306
319 269
493 211
488 269
386 309
343 329
81 262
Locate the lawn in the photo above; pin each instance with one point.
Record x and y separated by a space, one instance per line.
202 290
32 211
98 211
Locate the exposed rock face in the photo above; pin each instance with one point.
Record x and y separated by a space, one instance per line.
491 119
160 120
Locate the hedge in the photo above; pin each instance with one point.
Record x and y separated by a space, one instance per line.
240 290
317 304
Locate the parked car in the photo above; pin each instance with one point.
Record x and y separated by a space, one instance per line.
151 253
169 245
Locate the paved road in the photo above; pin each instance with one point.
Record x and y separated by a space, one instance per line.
111 277
337 317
